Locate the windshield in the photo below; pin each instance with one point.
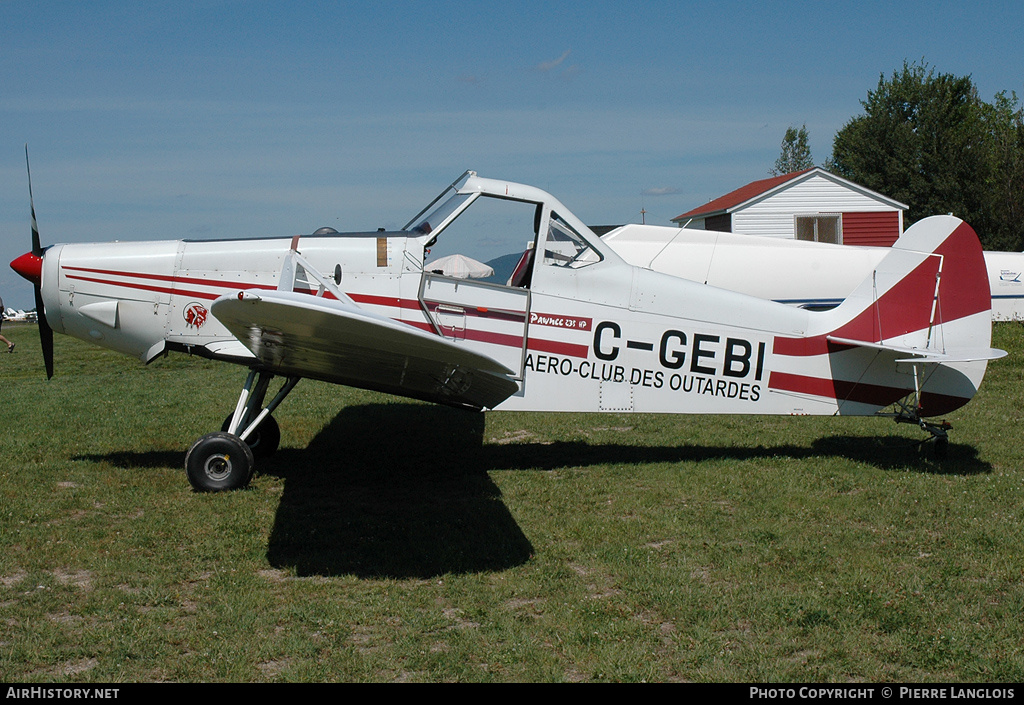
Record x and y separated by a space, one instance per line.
433 215
429 222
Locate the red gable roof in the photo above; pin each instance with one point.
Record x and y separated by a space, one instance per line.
742 195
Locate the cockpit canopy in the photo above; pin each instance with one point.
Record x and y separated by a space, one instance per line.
501 224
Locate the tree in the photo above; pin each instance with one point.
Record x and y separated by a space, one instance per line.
1004 120
927 140
796 154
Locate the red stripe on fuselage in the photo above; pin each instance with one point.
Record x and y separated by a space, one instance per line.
837 389
147 287
539 344
877 395
159 277
554 347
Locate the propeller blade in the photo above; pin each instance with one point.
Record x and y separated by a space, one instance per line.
37 248
45 335
45 332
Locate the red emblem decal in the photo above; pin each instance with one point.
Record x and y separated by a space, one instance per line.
195 315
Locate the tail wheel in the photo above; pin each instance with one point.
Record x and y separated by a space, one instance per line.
218 462
263 442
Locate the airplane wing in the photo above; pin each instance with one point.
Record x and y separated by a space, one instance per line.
336 341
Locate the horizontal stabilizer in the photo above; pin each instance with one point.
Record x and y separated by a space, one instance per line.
927 354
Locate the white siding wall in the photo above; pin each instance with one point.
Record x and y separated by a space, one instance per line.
773 216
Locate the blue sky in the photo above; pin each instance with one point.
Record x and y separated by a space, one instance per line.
165 120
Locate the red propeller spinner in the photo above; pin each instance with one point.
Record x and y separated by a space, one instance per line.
30 266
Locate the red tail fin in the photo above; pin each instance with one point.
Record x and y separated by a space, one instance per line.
935 275
964 289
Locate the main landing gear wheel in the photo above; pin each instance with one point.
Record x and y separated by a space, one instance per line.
226 460
218 462
263 442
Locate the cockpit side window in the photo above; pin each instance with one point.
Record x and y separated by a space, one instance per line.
564 247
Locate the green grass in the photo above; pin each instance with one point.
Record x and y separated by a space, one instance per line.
395 541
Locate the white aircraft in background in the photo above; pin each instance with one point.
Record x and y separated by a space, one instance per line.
807 274
16 316
574 328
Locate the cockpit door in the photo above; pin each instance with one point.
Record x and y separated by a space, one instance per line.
491 318
488 306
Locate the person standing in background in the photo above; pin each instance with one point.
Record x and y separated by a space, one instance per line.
10 345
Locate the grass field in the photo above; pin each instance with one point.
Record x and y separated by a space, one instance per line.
395 541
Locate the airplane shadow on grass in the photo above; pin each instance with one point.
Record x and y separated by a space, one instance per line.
402 490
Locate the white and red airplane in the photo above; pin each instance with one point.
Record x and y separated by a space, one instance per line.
572 328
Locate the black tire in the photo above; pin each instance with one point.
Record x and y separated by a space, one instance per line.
263 442
219 462
941 448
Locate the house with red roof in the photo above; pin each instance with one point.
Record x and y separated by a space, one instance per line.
812 204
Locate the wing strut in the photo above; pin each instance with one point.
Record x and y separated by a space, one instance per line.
294 262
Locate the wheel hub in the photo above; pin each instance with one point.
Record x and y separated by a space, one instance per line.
218 467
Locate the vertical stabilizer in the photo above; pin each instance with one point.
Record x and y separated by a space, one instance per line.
919 325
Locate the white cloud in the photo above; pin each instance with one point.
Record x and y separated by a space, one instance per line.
550 65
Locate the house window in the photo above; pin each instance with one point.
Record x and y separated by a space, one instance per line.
821 227
719 223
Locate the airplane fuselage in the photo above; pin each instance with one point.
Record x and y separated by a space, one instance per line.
604 337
